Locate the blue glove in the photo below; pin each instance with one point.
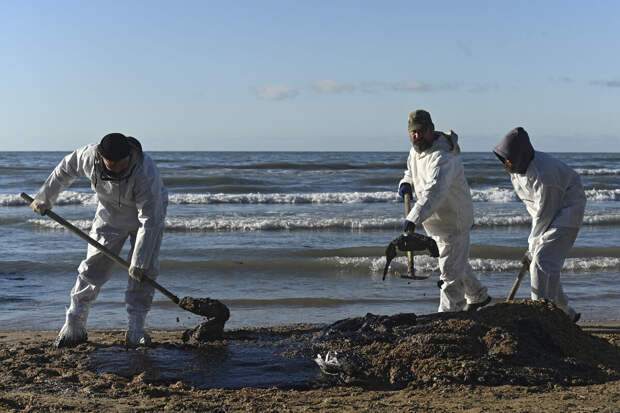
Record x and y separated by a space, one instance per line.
405 189
408 226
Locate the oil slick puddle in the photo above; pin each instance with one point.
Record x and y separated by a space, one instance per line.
233 366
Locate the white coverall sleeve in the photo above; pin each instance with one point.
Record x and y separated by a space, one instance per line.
67 171
151 201
430 197
548 205
407 178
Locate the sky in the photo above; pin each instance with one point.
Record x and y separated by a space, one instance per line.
308 75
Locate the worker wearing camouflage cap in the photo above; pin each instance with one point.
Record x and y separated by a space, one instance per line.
444 208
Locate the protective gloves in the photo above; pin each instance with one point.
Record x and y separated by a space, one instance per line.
40 207
137 273
405 189
408 226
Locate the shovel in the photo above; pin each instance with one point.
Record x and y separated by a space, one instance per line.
410 268
524 268
201 306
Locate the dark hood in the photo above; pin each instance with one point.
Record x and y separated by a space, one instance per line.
135 151
516 147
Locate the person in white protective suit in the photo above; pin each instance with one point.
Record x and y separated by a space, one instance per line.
444 208
554 197
132 203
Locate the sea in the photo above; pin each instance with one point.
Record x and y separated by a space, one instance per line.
292 237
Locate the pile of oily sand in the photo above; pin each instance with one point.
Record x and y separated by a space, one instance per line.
522 342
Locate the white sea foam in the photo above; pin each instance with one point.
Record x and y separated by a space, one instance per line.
278 198
598 171
501 220
279 224
603 194
493 195
65 198
83 224
313 223
594 263
425 264
11 200
375 265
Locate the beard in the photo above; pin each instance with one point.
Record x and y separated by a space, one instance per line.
421 144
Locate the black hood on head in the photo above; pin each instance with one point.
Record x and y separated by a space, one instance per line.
129 146
116 146
516 147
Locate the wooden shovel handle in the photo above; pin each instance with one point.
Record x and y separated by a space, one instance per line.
524 268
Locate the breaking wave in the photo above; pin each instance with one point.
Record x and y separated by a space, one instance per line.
599 171
493 195
427 265
280 198
315 224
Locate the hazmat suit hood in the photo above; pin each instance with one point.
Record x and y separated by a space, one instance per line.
442 141
443 200
135 153
517 148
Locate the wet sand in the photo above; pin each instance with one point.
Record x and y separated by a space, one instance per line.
36 377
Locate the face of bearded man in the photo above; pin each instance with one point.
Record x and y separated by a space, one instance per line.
422 139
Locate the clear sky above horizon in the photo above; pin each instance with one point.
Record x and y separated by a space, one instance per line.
308 75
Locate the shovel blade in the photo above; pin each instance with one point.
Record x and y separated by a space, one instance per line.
206 307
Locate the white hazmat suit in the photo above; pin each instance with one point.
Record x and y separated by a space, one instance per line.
554 197
444 207
130 206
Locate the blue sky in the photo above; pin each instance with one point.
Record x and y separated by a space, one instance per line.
308 75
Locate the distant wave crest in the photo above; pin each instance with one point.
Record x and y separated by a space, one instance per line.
494 195
598 171
216 224
426 265
279 198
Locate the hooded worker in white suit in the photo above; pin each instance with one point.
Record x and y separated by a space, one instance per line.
555 199
132 203
444 208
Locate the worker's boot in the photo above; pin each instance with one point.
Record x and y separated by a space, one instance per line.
475 306
73 332
136 335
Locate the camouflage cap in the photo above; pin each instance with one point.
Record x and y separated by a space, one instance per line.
419 119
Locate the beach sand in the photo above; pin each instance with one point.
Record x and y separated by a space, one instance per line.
36 377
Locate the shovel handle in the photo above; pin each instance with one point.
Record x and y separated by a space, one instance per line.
410 268
524 268
100 247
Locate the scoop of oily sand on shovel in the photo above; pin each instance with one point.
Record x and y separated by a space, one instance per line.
216 312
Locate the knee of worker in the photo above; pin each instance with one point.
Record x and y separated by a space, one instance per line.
546 262
96 268
543 274
139 295
453 263
83 293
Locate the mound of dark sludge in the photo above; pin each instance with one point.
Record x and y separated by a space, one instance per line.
523 342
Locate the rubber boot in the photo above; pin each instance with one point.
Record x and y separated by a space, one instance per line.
73 332
136 335
475 306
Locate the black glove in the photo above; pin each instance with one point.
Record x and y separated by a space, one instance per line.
405 189
408 226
